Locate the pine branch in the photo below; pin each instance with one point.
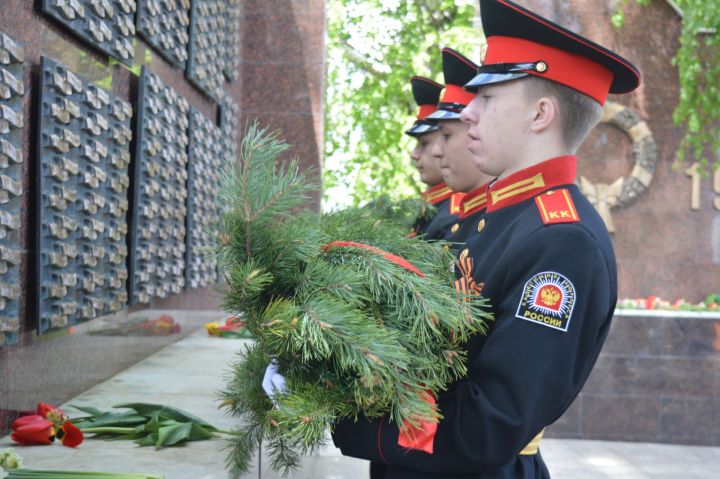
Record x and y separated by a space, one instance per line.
355 330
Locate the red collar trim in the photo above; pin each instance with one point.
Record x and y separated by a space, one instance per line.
531 181
456 200
474 201
437 193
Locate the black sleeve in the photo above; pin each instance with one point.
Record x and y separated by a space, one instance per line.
528 371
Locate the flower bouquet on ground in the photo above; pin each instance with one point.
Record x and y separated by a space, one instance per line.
711 303
43 426
232 327
163 325
146 424
360 319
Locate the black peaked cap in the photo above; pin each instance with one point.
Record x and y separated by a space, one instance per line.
508 19
457 68
425 90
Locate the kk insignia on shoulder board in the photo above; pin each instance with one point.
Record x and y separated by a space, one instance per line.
548 298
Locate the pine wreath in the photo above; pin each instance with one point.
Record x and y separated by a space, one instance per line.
361 319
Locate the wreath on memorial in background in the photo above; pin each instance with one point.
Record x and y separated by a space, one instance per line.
625 190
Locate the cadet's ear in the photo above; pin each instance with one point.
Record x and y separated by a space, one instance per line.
545 113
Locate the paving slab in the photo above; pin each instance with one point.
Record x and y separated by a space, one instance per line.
189 373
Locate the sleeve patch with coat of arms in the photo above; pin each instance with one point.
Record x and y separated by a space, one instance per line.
548 299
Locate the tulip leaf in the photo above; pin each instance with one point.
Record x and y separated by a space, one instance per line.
153 424
199 433
148 440
173 434
126 437
146 424
169 412
127 418
88 410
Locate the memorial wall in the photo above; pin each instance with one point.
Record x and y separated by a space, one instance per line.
116 117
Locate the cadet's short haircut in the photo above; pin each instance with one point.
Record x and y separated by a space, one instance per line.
578 112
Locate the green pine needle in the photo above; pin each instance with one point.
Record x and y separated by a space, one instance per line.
355 334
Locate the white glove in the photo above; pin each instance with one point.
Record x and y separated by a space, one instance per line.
273 382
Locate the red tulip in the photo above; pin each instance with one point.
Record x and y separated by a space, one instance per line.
230 328
48 411
51 413
24 420
650 302
234 321
37 431
70 435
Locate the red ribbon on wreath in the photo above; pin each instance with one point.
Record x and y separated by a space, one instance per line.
402 262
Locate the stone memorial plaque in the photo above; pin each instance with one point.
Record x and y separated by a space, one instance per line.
157 255
232 37
105 24
165 26
229 119
206 62
84 154
204 167
11 188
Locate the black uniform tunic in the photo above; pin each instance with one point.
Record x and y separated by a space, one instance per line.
435 227
545 261
469 209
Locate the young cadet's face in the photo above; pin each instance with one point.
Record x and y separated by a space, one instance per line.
450 148
498 119
427 165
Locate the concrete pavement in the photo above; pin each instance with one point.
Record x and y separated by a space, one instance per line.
188 374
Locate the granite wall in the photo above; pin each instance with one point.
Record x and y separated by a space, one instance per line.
284 73
656 380
279 81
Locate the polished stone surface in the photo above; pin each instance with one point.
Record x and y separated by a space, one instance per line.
283 75
657 379
55 367
188 374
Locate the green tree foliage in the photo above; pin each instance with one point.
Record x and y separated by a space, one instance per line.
698 63
374 47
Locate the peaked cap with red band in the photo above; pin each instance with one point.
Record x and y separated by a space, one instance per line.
457 70
522 43
427 95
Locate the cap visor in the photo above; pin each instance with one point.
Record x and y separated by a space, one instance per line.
443 115
491 78
420 128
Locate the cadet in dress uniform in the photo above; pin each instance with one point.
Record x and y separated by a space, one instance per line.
544 258
427 94
450 149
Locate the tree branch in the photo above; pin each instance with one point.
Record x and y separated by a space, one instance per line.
359 60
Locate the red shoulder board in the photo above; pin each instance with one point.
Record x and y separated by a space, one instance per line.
556 206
